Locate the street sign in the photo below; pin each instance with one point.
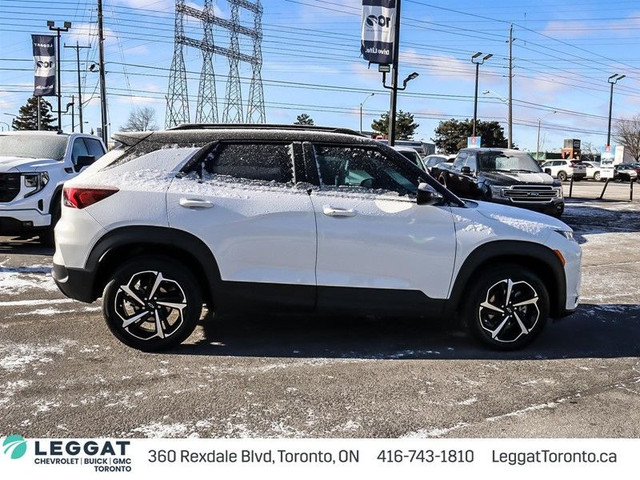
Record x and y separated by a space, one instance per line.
474 142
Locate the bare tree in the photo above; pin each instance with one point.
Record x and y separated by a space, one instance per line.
141 120
627 133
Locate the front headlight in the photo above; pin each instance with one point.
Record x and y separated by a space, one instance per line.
35 181
496 191
568 234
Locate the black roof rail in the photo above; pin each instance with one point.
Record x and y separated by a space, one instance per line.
262 126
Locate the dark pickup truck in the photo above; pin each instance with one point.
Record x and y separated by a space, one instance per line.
504 176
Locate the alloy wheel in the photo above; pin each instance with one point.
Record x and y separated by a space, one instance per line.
509 310
150 306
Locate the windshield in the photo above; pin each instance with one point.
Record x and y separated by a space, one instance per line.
507 162
33 146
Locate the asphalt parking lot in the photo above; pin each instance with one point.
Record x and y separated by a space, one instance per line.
62 374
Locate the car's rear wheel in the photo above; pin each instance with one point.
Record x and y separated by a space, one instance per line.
152 303
508 307
596 176
562 176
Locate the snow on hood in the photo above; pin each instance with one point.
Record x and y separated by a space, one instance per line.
523 177
22 164
533 223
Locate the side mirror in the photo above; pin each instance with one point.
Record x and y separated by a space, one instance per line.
84 161
465 170
427 195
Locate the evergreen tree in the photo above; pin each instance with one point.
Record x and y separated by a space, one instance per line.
27 118
451 135
405 125
303 119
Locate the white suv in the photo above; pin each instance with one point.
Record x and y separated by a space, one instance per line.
33 167
563 169
300 219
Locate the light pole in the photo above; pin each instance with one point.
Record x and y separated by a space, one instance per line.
475 59
613 79
538 143
361 104
52 26
8 126
394 93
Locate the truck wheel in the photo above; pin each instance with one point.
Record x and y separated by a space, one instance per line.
507 308
152 303
562 176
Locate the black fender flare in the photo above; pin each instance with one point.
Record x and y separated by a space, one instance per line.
540 259
153 240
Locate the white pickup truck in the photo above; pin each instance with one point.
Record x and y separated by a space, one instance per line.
33 167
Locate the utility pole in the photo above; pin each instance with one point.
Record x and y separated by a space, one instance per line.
52 26
510 117
103 92
77 48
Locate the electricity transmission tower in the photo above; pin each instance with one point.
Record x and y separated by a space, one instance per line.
207 108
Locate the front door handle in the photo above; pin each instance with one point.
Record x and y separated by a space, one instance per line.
338 212
195 203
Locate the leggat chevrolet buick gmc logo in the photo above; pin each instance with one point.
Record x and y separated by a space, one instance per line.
15 446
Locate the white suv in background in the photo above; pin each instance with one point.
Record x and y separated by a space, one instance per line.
33 167
259 218
563 169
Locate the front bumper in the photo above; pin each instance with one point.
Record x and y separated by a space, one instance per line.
16 222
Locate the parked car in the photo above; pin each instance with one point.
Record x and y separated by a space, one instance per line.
625 172
504 176
431 161
592 170
564 169
33 167
258 218
411 155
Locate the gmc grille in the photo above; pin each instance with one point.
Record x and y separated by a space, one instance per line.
9 186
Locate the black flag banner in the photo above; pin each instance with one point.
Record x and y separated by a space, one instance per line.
44 56
378 24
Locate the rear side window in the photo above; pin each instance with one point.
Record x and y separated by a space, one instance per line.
267 162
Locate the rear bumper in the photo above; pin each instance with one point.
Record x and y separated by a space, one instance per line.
75 283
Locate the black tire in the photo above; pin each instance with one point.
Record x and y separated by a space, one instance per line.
596 176
47 237
562 176
152 303
507 325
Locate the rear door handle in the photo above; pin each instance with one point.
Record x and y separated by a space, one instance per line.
195 203
338 212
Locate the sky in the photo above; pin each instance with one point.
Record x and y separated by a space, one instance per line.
563 54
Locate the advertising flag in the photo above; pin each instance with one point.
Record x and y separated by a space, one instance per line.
378 29
44 56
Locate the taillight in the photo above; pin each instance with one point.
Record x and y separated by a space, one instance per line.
83 197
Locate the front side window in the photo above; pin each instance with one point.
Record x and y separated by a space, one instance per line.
364 168
267 162
79 150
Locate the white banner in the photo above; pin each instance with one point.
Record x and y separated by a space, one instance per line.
281 459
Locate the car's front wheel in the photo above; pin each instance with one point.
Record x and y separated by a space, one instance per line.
507 308
152 303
